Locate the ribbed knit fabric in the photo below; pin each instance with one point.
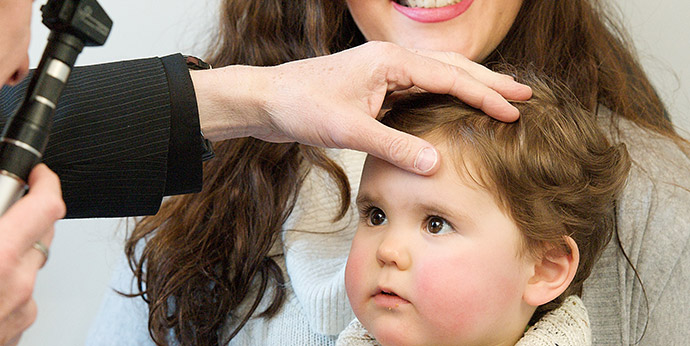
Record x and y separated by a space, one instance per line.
653 223
317 308
356 335
568 325
317 272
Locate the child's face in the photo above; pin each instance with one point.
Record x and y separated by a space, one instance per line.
435 261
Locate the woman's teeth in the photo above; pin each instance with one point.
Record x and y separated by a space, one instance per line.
428 3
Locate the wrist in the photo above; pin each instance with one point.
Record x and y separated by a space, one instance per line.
229 101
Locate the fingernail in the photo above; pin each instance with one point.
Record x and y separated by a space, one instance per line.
426 159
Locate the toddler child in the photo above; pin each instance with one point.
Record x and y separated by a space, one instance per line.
493 249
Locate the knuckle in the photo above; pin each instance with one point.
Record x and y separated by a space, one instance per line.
25 316
484 102
55 207
54 204
399 149
25 289
31 314
384 52
9 260
53 175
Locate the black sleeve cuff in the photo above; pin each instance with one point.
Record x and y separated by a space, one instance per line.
184 173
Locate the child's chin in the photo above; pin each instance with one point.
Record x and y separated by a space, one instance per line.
393 337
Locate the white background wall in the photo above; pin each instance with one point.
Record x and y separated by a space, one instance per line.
70 287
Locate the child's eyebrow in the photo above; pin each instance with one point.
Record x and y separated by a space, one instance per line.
436 208
457 213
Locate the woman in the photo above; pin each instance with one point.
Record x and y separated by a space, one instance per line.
208 257
152 103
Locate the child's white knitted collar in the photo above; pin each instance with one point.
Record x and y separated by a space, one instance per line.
567 325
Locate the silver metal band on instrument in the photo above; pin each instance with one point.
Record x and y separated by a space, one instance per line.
23 145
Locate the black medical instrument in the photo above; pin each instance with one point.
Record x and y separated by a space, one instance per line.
73 24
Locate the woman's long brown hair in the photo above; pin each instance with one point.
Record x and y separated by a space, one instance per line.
197 259
581 44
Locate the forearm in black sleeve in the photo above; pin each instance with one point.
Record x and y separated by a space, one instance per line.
111 138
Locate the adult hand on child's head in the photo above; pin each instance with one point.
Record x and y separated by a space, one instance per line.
333 101
28 221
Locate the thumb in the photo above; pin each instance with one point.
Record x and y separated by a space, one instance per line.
406 151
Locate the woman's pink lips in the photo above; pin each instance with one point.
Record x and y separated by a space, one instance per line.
433 15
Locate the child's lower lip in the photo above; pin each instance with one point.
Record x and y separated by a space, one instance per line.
433 15
389 301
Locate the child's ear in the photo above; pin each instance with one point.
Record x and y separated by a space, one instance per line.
553 273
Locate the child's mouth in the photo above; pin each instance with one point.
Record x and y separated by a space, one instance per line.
389 299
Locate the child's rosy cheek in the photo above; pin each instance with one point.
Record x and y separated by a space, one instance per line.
450 292
354 272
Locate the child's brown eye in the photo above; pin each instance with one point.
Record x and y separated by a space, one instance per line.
436 225
376 217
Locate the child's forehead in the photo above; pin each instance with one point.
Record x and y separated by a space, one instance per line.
385 183
458 171
470 165
462 159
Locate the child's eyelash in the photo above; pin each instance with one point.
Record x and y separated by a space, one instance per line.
365 209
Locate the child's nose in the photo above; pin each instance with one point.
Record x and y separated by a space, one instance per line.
394 251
